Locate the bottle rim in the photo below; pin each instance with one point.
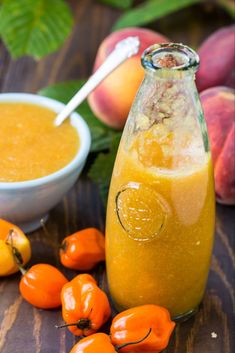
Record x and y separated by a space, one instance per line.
170 56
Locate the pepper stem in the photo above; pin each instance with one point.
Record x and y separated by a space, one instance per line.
64 246
82 324
131 343
15 252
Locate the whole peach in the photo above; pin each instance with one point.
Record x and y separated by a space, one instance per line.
219 109
217 57
112 99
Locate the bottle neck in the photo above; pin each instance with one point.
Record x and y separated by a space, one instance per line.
170 75
167 102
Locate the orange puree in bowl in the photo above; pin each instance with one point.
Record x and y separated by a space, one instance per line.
30 145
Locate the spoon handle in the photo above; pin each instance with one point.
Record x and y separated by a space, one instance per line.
122 51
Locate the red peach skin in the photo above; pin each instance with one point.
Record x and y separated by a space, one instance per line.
217 58
112 99
219 110
225 170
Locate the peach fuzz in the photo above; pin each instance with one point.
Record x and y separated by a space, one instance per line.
219 110
112 99
217 57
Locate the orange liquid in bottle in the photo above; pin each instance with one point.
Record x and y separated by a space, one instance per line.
160 223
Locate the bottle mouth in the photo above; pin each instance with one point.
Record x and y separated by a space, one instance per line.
170 56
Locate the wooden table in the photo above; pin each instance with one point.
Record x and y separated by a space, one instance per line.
24 329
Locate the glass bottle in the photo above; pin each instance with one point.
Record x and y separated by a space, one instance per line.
161 207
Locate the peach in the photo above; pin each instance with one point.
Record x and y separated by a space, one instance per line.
112 99
217 57
219 109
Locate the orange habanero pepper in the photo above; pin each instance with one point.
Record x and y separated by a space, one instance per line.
97 343
101 343
41 286
85 307
83 250
131 325
13 243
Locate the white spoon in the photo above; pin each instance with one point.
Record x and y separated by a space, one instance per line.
123 50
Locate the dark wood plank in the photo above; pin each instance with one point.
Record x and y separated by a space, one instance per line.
26 329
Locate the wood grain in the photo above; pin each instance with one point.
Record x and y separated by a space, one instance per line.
24 329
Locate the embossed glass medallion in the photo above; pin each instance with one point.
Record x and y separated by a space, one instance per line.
141 211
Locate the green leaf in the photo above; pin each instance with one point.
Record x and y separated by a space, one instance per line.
228 5
101 170
150 11
120 4
34 27
101 134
